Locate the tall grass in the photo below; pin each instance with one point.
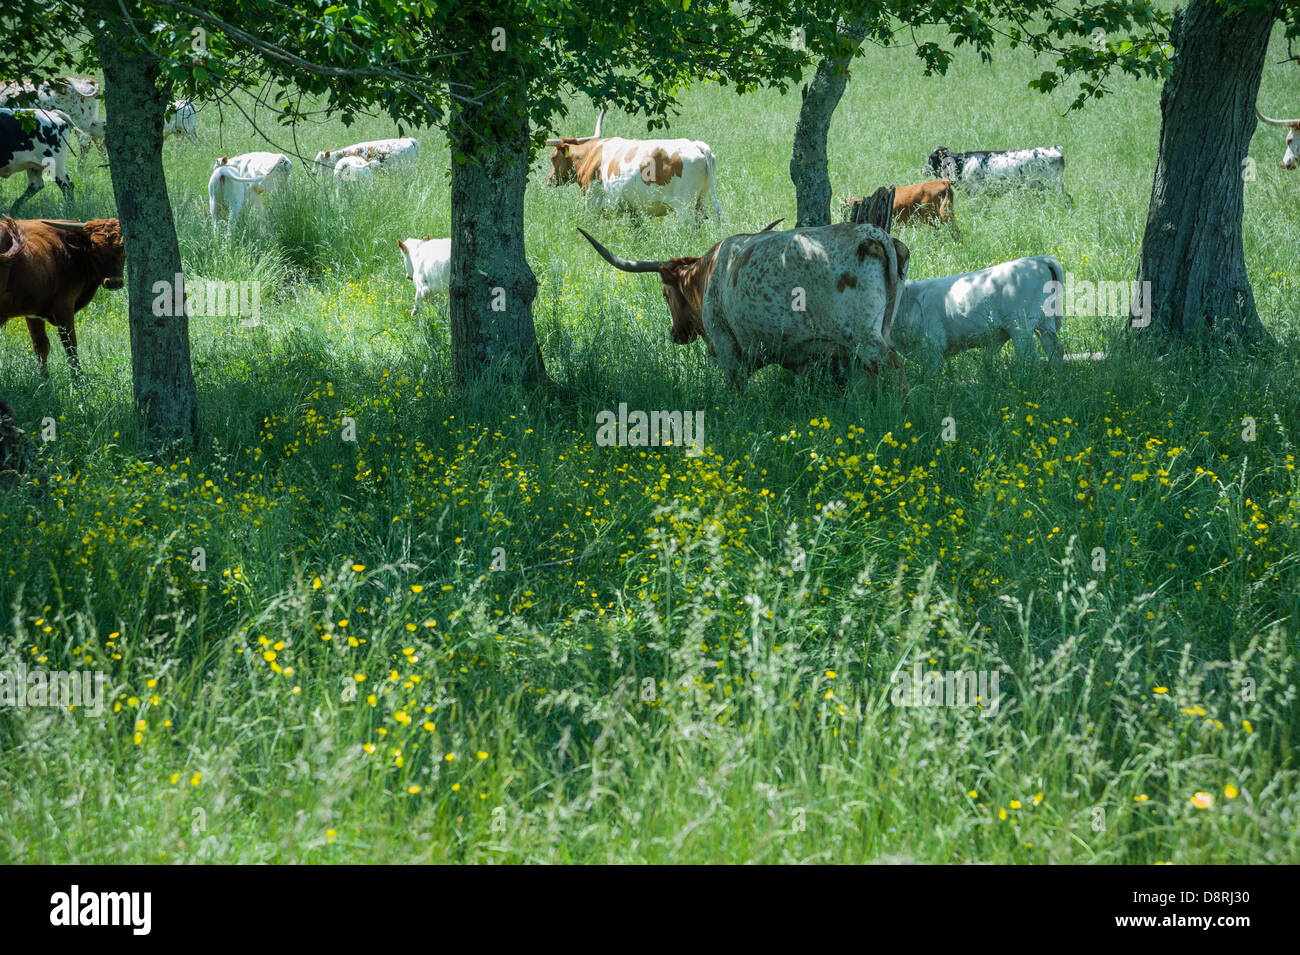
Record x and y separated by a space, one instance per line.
685 659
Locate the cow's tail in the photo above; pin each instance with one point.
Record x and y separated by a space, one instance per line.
233 178
1058 276
713 194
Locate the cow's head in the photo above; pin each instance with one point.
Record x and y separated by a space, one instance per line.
102 238
568 156
569 153
943 162
1293 126
408 248
685 280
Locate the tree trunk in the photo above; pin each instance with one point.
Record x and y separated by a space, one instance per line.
808 168
166 404
1192 249
492 287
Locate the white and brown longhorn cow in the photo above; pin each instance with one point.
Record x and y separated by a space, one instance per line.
1292 127
654 176
799 298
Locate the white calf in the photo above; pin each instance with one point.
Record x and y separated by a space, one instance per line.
428 264
355 169
236 178
392 152
181 119
937 318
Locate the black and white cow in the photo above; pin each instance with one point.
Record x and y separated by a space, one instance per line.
32 141
78 96
988 170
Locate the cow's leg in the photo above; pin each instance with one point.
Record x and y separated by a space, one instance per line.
730 359
1023 341
234 196
1051 345
35 183
40 342
65 186
871 359
68 336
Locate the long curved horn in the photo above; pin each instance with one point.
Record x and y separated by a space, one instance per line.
627 265
70 226
772 225
599 120
1276 122
554 142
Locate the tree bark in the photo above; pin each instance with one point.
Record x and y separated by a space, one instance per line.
493 340
808 165
166 403
1192 248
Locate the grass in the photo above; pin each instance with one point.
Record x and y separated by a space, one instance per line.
687 658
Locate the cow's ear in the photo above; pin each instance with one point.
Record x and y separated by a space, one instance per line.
401 245
426 238
903 253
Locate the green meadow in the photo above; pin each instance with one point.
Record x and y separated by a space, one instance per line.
309 656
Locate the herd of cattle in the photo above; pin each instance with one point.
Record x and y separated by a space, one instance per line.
836 296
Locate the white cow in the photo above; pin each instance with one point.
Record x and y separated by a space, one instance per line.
77 96
182 119
393 153
428 264
654 176
236 178
939 317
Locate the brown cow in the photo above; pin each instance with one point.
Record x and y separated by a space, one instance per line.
12 242
57 273
930 202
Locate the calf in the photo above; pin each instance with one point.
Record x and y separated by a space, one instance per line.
236 178
182 119
800 298
392 152
939 317
75 96
31 141
930 202
56 273
1042 167
428 265
355 169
